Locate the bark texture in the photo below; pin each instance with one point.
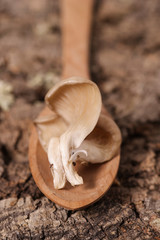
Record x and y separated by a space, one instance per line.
125 63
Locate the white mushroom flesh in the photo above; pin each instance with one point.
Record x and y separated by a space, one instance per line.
76 130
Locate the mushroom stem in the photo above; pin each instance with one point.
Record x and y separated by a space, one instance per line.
54 157
71 175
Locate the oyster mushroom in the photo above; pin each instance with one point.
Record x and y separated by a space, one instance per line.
76 130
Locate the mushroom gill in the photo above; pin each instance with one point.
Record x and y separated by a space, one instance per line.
76 129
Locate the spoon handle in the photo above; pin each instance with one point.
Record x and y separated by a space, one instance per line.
76 22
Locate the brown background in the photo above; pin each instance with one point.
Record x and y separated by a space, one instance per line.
125 63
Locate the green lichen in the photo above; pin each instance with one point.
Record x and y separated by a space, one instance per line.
6 96
46 80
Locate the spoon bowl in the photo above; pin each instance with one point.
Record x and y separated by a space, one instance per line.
97 177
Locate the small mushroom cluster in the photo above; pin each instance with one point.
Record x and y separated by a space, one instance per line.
76 129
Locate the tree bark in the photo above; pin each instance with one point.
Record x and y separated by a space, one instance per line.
125 63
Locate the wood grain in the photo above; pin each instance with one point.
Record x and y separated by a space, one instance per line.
125 64
76 23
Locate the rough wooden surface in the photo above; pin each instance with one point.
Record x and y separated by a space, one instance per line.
126 65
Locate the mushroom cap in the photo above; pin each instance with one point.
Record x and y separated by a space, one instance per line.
75 119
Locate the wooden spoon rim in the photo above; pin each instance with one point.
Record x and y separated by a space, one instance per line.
68 204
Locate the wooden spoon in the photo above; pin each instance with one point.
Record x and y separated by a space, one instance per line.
76 20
